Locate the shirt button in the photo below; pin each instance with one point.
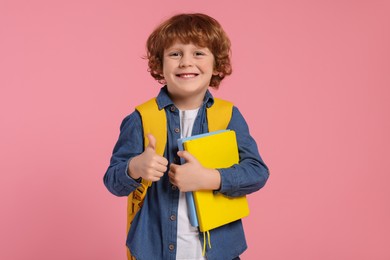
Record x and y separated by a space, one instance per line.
174 187
171 247
172 217
172 108
177 130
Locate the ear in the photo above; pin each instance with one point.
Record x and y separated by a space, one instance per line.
158 72
216 73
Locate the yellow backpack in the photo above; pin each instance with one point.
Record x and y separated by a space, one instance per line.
154 121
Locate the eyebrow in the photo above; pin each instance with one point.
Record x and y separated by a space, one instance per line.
196 48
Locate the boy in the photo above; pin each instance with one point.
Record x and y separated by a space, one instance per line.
188 53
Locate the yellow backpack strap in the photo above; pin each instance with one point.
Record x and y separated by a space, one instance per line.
153 121
219 114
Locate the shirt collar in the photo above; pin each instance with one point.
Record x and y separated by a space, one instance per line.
163 99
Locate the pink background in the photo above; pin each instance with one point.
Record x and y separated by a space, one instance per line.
312 79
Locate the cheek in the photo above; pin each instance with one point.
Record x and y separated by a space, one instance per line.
164 67
210 66
167 64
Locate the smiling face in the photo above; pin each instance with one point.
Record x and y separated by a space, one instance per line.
187 70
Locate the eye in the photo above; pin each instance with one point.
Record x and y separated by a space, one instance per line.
174 54
199 53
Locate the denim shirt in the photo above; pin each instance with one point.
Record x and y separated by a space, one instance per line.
153 232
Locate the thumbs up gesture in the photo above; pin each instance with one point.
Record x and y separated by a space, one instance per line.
148 165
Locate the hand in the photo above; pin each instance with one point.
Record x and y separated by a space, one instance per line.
192 176
148 165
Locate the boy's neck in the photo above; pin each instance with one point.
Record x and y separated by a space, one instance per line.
188 103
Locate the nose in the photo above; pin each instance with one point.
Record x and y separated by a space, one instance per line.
185 61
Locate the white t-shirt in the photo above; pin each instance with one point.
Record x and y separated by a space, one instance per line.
188 243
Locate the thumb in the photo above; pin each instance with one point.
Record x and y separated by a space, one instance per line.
186 156
152 141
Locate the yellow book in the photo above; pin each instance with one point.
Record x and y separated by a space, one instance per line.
215 150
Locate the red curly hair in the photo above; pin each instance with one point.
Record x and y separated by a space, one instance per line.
199 29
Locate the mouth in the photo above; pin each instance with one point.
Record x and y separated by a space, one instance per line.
187 75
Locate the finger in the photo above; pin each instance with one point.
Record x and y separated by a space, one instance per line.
155 175
160 168
171 176
161 160
151 141
154 179
173 167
